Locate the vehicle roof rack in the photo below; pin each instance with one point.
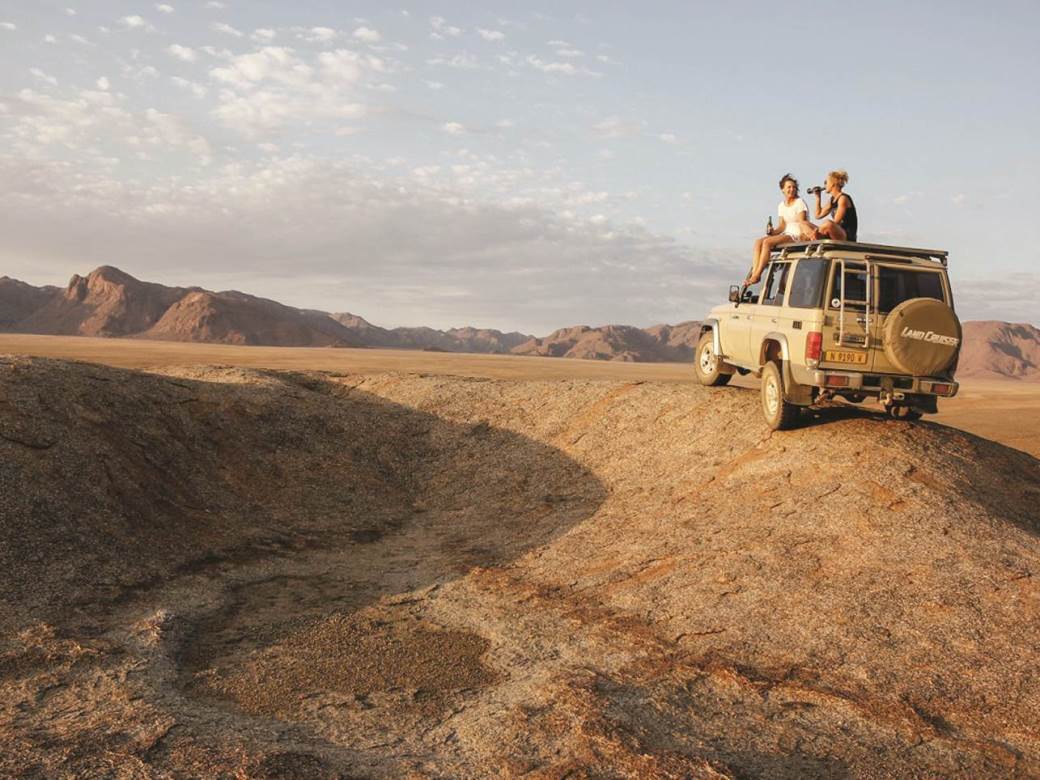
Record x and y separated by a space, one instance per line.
818 247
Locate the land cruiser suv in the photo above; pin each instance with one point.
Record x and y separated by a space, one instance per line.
842 319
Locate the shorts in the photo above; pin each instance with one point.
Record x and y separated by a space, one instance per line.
795 230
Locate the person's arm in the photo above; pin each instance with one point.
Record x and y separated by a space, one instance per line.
822 212
803 213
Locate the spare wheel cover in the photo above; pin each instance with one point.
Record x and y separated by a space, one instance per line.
922 336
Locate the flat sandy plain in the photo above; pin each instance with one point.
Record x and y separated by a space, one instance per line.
1005 411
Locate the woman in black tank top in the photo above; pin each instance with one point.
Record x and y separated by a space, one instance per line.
843 224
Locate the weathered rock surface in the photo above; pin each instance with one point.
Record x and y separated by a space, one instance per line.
19 300
236 318
220 572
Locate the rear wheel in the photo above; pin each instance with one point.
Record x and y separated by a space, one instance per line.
707 363
780 414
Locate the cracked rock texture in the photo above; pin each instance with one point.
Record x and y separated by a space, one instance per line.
231 573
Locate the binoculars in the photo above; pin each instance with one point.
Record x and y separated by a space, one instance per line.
814 190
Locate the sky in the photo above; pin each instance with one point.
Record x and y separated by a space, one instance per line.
516 166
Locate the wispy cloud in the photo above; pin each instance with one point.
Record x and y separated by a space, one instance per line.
441 28
319 34
367 35
196 89
183 53
275 87
561 68
136 23
227 29
44 77
464 61
616 127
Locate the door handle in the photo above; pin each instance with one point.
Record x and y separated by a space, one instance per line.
774 320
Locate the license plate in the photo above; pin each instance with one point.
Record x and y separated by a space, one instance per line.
854 358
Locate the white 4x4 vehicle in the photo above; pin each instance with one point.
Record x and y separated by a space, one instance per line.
842 319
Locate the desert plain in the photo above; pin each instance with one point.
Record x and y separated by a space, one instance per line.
1004 410
231 562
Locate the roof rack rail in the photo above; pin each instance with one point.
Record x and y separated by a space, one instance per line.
818 247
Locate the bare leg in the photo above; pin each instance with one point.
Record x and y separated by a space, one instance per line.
768 245
832 230
809 231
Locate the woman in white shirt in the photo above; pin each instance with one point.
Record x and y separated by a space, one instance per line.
794 226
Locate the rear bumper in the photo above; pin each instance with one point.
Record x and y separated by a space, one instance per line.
877 383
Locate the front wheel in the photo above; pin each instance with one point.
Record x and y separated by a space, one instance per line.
707 363
780 414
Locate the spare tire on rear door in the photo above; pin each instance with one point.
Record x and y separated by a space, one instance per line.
922 336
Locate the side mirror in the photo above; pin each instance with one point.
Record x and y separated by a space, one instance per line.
734 294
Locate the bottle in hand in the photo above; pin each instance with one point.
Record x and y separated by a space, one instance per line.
769 226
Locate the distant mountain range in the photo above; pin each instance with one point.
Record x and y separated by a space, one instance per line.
109 302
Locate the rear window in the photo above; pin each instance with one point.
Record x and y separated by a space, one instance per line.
896 285
807 285
855 287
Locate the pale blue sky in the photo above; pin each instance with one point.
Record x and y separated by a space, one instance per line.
446 164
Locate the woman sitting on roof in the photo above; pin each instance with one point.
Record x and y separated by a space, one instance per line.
843 223
794 226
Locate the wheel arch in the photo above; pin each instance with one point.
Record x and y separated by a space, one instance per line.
774 347
712 324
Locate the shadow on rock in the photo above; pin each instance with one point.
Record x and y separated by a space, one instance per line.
248 510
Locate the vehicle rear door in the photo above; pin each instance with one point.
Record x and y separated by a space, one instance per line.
897 282
846 337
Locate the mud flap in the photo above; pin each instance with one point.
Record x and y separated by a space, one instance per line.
799 395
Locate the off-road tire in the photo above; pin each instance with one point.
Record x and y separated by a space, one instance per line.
706 363
779 413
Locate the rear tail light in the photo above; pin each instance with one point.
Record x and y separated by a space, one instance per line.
813 345
942 389
836 380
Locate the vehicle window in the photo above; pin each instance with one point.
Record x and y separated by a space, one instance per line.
855 287
896 285
752 292
807 285
776 286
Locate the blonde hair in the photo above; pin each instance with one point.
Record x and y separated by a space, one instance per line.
841 177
